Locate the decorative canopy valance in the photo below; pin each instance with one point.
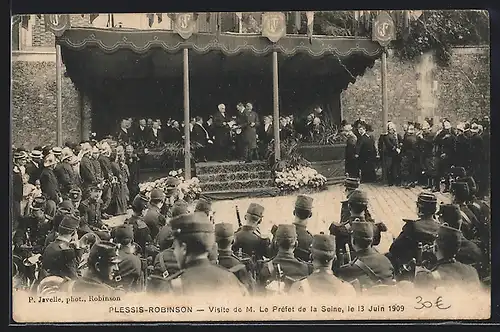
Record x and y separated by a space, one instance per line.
141 41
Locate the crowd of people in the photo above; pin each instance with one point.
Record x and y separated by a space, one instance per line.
166 247
421 154
223 136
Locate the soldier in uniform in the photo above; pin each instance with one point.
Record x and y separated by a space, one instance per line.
205 206
153 217
130 264
469 253
248 237
32 229
90 214
470 224
64 209
75 195
350 184
165 263
62 256
448 272
357 204
224 237
322 280
193 238
423 230
65 174
302 213
142 235
369 267
284 267
445 143
102 276
48 180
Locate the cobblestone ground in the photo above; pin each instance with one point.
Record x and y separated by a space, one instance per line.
387 204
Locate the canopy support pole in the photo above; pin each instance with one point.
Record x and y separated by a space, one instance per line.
385 115
276 111
59 138
187 131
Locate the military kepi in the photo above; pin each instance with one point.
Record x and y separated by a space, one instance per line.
197 222
70 223
104 251
351 183
451 215
285 231
323 242
304 202
358 196
224 230
255 209
123 232
427 198
362 230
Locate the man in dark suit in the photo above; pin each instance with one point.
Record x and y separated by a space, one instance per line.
155 137
199 134
366 155
124 135
142 132
175 133
390 148
250 133
266 134
221 132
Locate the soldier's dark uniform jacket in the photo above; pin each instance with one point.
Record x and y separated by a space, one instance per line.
470 224
130 264
154 220
447 271
322 280
141 231
369 267
31 229
226 258
66 177
199 276
90 284
423 230
304 238
248 237
90 215
50 185
60 258
293 269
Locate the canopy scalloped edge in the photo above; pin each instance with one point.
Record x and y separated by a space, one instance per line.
110 41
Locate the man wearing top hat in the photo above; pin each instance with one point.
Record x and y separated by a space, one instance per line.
248 238
284 268
369 267
48 180
224 237
193 238
142 235
153 217
64 172
17 187
34 166
448 272
102 276
61 257
322 280
130 266
423 230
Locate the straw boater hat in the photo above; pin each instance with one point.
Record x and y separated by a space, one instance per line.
56 151
20 155
66 154
49 160
36 154
86 148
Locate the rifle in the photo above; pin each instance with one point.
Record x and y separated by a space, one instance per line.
238 216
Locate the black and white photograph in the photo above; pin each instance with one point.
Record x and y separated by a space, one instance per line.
250 166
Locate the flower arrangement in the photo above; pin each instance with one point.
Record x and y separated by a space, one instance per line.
292 179
187 190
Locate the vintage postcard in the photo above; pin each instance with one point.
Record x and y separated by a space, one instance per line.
251 166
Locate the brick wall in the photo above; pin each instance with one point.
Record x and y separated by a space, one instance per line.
34 108
420 89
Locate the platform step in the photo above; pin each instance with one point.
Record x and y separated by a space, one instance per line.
232 185
241 193
230 167
236 176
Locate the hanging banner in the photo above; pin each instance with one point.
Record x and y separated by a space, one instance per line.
273 26
383 30
185 24
57 23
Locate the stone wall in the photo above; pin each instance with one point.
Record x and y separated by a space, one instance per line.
423 89
34 106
